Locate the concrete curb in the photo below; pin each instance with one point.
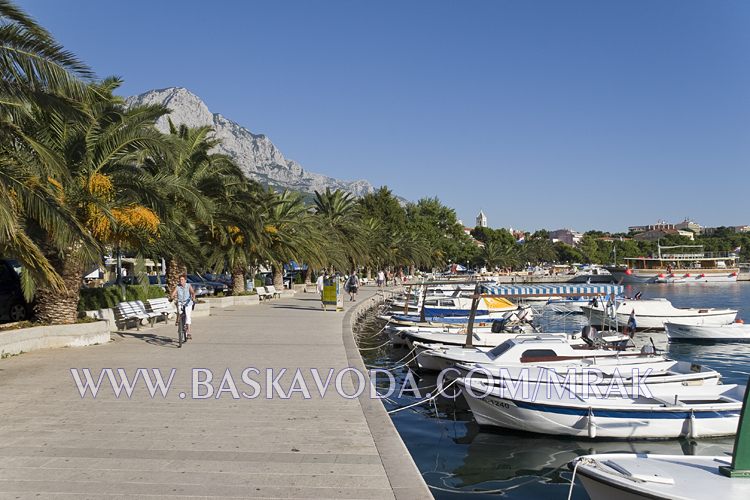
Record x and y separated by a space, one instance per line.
239 300
404 476
51 336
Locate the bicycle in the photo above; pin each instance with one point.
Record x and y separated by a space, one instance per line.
181 333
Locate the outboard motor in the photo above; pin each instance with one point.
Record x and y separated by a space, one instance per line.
498 326
526 314
597 337
587 332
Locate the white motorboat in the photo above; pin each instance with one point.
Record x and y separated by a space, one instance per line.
733 332
628 476
514 350
653 313
547 358
565 305
479 338
666 413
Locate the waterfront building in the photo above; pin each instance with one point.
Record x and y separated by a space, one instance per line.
567 236
657 234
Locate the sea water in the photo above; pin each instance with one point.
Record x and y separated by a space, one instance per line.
460 460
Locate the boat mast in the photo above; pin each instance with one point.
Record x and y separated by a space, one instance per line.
474 305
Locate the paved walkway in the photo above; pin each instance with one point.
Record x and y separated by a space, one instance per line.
54 442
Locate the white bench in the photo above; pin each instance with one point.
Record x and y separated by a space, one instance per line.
134 311
263 294
161 306
272 290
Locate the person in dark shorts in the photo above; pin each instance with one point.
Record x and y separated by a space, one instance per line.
352 285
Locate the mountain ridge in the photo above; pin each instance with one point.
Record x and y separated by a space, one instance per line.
255 154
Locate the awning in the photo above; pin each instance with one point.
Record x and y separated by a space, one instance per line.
550 290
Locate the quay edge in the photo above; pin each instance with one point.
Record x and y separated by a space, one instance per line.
404 476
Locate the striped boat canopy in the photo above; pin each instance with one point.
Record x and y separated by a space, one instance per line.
550 290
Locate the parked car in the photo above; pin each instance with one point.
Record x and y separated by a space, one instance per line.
201 288
124 280
13 306
219 285
225 278
160 280
214 286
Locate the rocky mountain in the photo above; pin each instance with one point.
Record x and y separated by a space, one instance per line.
254 153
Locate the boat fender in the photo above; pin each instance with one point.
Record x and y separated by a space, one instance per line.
739 320
692 426
687 275
591 424
703 275
661 275
628 272
733 274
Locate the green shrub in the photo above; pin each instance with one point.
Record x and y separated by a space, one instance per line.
103 298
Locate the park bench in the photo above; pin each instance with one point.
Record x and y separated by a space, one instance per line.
161 306
272 290
262 293
129 312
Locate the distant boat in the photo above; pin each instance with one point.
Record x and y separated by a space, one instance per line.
682 264
653 313
733 332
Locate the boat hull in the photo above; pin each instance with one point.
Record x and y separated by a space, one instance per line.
641 276
734 332
619 476
589 422
653 313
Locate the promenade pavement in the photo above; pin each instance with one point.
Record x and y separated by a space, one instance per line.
55 443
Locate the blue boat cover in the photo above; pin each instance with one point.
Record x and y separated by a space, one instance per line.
546 290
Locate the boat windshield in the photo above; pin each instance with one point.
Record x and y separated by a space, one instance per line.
499 350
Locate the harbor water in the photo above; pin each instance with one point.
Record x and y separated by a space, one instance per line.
460 460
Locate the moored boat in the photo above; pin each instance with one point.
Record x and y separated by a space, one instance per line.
733 332
653 313
681 264
690 411
627 476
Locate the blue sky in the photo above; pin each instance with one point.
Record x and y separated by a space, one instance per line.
544 114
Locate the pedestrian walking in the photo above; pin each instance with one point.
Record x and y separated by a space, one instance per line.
319 284
352 285
381 278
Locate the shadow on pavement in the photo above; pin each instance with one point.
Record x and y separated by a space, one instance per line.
150 338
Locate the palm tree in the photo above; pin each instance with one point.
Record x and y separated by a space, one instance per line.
35 71
94 168
338 213
291 232
238 224
198 180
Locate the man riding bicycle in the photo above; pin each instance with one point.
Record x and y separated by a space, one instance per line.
185 300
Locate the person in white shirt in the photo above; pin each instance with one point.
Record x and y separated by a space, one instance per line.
381 278
319 285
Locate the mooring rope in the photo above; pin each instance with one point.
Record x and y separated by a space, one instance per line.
421 401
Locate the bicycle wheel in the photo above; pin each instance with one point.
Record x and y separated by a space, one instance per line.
180 330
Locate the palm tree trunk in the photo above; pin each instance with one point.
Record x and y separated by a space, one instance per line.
61 307
278 277
175 269
307 273
238 280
